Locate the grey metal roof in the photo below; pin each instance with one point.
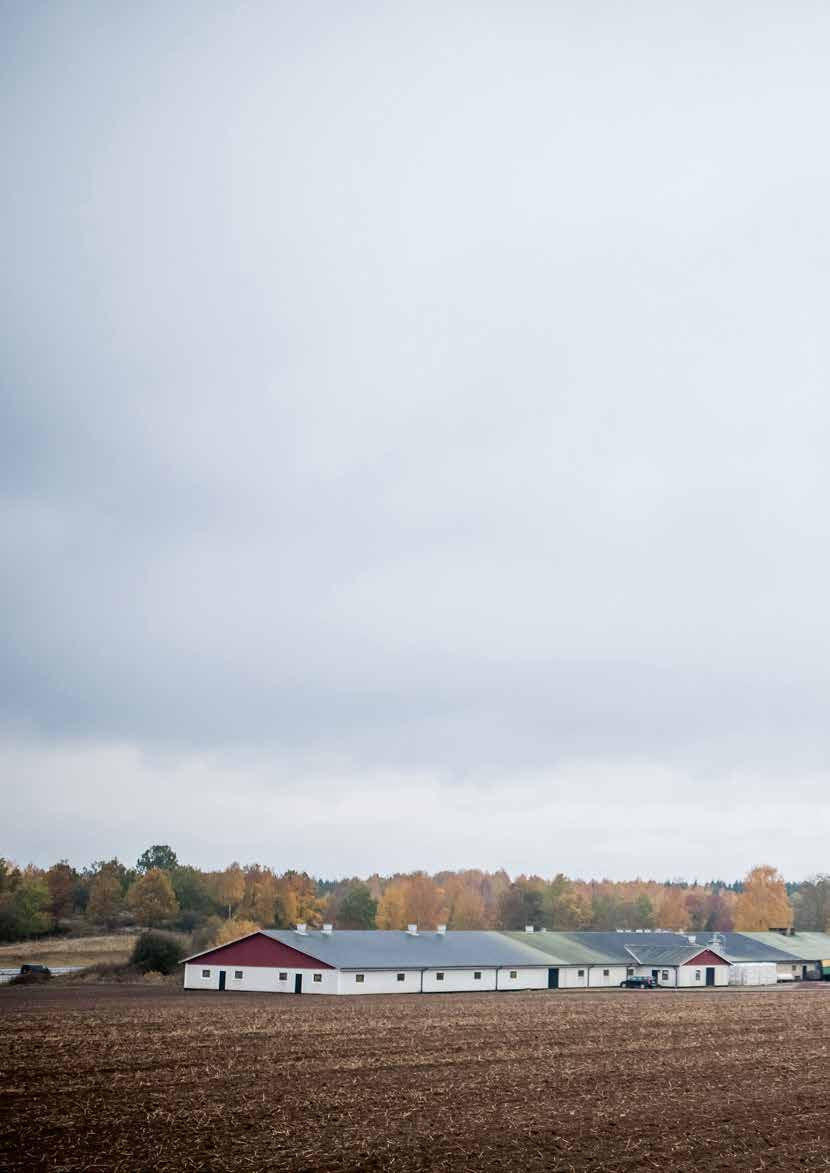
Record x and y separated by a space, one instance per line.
593 948
668 954
390 949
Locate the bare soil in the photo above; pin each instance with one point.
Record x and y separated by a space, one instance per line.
145 1078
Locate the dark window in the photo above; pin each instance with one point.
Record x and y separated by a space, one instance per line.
205 973
580 973
477 976
283 977
513 973
630 970
237 973
606 973
359 977
318 977
439 977
664 975
401 977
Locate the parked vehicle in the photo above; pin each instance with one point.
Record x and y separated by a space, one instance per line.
638 983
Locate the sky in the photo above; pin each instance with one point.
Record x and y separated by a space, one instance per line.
414 435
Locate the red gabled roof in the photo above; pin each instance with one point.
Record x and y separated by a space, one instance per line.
707 957
258 950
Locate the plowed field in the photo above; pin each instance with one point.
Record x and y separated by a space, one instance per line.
132 1079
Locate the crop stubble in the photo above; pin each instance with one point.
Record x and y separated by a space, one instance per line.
128 1079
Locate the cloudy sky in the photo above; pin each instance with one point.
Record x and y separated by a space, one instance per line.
414 437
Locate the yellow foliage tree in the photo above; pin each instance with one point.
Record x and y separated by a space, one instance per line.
391 913
764 903
230 887
105 900
231 929
467 910
152 899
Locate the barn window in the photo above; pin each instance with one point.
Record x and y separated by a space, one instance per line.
318 977
359 977
630 971
205 973
664 976
606 973
237 974
513 973
580 973
477 975
697 975
401 977
439 977
283 977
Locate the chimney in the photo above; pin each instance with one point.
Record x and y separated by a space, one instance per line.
301 928
528 928
327 929
441 930
412 930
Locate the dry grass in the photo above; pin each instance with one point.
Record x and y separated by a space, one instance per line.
56 951
134 1078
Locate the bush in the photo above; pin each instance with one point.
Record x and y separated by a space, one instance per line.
157 951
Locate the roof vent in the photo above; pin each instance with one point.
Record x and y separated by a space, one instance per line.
301 928
692 939
412 930
327 929
528 928
441 930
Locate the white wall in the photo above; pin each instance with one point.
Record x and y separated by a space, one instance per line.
686 975
259 979
380 982
598 978
527 978
789 971
458 979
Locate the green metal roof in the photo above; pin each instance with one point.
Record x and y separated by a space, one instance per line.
566 949
805 946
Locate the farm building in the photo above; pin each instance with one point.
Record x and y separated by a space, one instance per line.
329 961
805 955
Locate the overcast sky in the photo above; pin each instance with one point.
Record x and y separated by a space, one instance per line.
415 436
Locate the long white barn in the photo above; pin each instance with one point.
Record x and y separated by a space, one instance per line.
328 961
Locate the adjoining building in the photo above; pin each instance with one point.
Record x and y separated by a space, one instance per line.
805 956
375 961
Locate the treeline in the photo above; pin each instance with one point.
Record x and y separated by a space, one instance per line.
219 905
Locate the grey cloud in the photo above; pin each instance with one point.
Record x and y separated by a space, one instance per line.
435 390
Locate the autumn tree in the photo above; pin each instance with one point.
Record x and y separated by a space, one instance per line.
105 897
62 881
231 930
152 899
467 911
230 887
763 904
391 913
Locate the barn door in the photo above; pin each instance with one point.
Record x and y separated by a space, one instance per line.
298 983
221 979
710 975
553 979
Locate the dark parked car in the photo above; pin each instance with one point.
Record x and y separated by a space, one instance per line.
29 969
638 983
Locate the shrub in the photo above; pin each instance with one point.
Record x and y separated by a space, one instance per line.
157 951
